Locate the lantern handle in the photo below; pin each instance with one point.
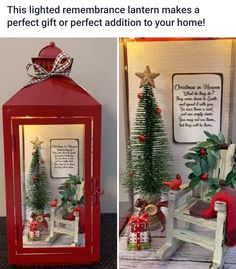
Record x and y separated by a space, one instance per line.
97 191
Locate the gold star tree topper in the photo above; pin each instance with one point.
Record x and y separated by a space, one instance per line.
147 77
37 143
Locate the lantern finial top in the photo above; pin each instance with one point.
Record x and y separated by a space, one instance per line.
52 44
47 56
50 51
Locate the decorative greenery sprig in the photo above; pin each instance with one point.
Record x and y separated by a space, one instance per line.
204 157
68 190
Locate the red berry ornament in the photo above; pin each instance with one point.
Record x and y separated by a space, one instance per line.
158 110
222 183
203 152
204 176
141 138
131 173
34 178
178 176
224 146
140 95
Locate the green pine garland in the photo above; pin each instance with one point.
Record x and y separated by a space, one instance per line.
202 158
37 187
149 161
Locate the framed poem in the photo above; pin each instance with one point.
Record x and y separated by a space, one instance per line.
64 157
197 105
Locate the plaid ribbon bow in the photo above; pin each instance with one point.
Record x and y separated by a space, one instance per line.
60 66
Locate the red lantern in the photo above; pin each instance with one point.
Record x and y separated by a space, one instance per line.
66 120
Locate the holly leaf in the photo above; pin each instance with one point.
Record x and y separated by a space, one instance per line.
216 153
62 187
190 165
82 200
221 138
231 176
195 167
69 181
197 170
205 144
207 134
193 183
64 194
233 183
213 181
211 159
190 156
204 165
212 137
196 149
192 176
210 193
215 139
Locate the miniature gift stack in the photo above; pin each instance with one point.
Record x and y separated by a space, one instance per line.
138 234
34 232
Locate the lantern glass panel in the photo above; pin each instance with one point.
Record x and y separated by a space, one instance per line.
52 172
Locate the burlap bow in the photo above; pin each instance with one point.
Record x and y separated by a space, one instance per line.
60 68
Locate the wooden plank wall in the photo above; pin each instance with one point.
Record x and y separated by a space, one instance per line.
168 57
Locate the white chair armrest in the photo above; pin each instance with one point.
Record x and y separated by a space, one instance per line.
76 214
220 206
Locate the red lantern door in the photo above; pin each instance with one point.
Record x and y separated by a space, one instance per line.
52 165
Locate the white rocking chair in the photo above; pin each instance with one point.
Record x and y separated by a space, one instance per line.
175 236
59 226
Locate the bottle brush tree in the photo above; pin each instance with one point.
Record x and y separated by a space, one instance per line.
37 187
149 158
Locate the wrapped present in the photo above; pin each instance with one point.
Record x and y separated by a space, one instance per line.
34 232
138 233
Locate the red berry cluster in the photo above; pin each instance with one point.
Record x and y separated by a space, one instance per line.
158 110
141 138
34 178
204 176
224 146
203 152
140 95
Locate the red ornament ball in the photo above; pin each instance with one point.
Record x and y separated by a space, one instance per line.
203 152
158 110
140 95
204 176
141 138
42 161
224 146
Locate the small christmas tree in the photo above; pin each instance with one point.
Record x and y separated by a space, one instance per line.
149 161
37 188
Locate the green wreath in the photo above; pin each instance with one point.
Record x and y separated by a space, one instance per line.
203 157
